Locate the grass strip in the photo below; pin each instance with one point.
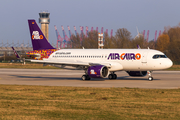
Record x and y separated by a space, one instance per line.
47 102
175 68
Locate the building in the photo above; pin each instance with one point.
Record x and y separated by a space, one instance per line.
44 20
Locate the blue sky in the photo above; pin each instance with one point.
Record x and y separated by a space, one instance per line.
111 14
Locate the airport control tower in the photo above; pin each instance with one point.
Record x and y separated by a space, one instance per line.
44 20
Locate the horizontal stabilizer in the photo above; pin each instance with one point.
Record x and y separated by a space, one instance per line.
15 52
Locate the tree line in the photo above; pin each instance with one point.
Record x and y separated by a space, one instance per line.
168 42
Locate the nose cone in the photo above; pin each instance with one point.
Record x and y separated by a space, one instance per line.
169 63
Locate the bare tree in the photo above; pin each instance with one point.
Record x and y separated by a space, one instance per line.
122 38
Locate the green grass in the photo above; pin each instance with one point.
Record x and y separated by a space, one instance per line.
174 67
42 102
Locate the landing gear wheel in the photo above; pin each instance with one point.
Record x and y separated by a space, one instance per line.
150 78
114 76
110 76
85 77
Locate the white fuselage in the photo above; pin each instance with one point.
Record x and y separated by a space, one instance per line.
115 59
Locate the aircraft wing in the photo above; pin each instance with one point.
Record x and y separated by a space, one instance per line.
69 63
61 62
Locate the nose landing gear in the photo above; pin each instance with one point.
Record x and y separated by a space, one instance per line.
150 78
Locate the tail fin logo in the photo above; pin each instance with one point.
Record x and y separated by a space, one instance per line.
35 35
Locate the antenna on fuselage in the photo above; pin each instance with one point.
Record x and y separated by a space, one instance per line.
138 47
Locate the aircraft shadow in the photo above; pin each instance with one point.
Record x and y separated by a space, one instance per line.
45 78
41 78
133 78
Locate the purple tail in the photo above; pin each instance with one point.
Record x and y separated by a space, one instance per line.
38 39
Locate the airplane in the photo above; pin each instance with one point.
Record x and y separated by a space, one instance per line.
97 63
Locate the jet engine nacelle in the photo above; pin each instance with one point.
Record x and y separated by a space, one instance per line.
137 73
98 71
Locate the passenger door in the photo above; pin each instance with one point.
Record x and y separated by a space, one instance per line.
144 58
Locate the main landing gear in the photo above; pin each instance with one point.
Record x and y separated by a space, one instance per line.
112 76
150 78
85 77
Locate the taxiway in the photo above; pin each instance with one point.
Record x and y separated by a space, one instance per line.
59 77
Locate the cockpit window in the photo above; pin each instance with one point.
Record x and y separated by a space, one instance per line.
159 56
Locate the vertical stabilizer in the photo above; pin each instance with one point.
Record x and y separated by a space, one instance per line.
38 39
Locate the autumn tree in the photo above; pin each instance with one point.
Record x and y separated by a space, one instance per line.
174 45
138 41
151 44
162 42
